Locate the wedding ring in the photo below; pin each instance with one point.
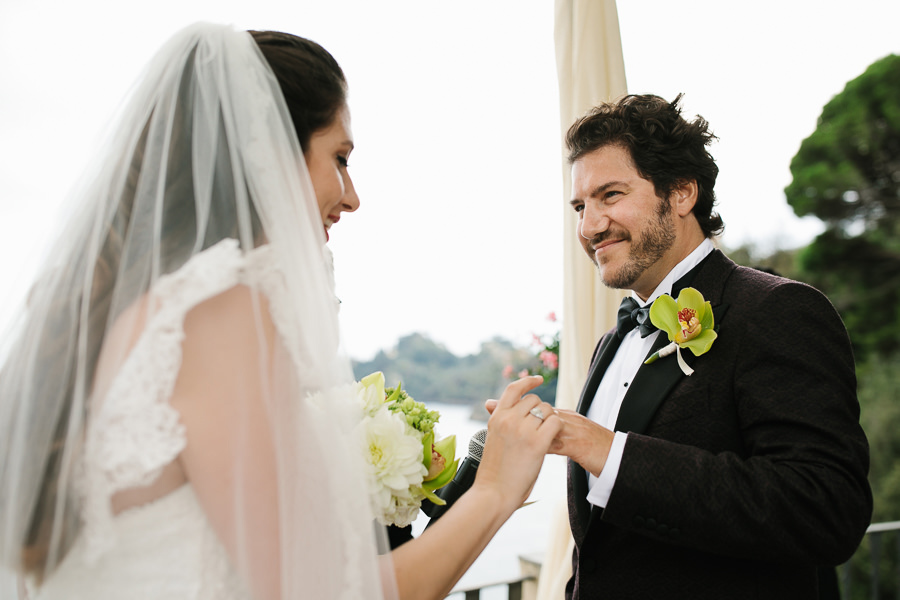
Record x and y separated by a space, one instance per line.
536 412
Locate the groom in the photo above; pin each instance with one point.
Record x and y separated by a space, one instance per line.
736 481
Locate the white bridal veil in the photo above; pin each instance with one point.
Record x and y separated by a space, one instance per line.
202 211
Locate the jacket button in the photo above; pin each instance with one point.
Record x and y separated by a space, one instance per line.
651 523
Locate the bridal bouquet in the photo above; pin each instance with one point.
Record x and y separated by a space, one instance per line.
405 463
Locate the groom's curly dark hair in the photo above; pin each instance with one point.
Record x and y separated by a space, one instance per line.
666 149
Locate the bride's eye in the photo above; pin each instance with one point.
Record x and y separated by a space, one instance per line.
343 161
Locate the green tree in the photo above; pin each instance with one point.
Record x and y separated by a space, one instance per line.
778 261
847 173
431 373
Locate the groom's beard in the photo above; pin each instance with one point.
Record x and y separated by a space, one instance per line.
653 242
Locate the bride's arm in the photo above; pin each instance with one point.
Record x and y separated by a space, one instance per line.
230 457
430 565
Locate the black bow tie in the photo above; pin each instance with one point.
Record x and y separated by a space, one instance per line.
631 315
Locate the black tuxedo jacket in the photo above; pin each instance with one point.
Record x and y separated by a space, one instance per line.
735 482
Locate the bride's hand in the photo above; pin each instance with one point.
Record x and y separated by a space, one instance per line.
517 441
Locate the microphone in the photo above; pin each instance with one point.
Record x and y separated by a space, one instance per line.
465 477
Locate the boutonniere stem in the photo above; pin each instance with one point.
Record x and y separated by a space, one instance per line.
671 348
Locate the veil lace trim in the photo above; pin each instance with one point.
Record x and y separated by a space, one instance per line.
134 432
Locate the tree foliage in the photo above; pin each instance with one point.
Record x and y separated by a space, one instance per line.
847 173
431 373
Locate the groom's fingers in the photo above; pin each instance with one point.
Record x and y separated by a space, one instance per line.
582 440
490 405
515 390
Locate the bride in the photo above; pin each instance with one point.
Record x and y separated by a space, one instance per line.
162 415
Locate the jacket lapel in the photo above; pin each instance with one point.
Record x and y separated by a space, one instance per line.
650 386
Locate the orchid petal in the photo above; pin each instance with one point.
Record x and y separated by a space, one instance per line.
446 447
427 441
664 314
702 342
443 478
690 298
707 320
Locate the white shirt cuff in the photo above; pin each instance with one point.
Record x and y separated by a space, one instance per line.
600 491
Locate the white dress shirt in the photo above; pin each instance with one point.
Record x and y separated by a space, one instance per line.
619 375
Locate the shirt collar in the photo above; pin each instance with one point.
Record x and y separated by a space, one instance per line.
689 262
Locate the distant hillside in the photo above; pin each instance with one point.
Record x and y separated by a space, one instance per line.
431 373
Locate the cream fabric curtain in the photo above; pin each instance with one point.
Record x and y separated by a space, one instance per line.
590 69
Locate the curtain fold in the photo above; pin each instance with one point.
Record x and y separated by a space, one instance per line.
590 69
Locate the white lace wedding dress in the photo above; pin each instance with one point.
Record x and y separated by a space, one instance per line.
166 548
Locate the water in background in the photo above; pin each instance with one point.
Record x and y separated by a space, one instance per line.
526 532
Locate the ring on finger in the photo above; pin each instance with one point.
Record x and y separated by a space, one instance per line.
537 412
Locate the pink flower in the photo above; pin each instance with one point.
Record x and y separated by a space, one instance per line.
523 373
508 372
536 340
552 317
550 359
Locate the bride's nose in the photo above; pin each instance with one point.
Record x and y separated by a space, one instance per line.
350 200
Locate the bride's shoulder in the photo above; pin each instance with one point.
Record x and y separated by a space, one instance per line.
210 301
236 315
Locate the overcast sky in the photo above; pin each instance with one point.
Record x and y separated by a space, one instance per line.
457 128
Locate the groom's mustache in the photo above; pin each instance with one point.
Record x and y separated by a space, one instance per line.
610 234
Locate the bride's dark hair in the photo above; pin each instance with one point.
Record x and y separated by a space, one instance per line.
314 88
311 81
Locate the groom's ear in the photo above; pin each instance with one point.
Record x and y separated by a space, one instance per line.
684 197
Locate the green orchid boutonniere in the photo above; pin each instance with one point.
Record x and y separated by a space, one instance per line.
688 323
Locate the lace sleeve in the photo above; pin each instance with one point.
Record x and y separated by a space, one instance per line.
134 431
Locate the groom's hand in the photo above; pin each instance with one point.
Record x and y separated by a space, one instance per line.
582 440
